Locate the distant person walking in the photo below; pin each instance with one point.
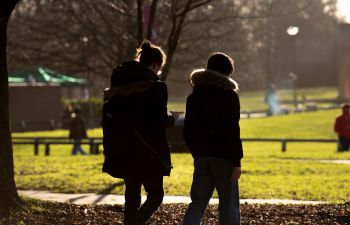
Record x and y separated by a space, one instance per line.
212 134
272 101
134 132
77 131
342 128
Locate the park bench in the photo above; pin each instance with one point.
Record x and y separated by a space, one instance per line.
285 141
94 143
174 134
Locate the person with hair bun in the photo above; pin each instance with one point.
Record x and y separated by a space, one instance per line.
212 133
134 125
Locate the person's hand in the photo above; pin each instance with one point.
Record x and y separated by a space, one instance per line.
236 173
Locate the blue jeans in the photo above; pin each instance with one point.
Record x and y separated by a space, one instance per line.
77 147
211 173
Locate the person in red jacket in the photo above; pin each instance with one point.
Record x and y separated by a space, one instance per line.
342 128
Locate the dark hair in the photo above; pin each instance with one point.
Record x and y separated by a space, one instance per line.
221 63
148 54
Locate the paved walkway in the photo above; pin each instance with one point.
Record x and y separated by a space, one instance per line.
336 161
91 198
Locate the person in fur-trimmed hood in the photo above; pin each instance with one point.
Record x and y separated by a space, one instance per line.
134 132
212 133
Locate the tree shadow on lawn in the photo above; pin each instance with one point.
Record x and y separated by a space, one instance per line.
101 194
109 188
104 192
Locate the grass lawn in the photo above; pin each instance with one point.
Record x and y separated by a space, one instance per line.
254 100
302 125
267 172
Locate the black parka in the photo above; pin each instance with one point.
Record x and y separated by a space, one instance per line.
77 129
212 117
134 123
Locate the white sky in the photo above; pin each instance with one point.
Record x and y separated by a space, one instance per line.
344 9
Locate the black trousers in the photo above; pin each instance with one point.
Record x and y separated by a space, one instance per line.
134 213
343 144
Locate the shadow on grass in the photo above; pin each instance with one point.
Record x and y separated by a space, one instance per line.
104 192
100 194
73 200
108 189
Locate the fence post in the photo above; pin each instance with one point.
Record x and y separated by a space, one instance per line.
36 146
92 146
97 151
23 125
284 145
52 124
47 149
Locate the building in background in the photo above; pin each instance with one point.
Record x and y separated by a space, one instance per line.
36 98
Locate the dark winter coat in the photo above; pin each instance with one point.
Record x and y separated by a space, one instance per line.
134 123
77 129
212 117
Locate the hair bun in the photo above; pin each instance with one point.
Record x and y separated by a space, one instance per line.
146 45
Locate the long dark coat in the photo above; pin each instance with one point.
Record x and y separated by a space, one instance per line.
134 123
212 117
77 129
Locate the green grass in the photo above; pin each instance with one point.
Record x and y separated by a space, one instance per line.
254 100
267 172
56 133
301 125
251 101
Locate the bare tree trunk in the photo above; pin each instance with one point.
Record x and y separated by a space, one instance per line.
167 66
8 192
139 21
152 16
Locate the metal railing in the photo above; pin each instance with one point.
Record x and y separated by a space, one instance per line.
178 145
286 140
93 142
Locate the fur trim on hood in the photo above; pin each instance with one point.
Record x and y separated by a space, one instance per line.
212 78
127 90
